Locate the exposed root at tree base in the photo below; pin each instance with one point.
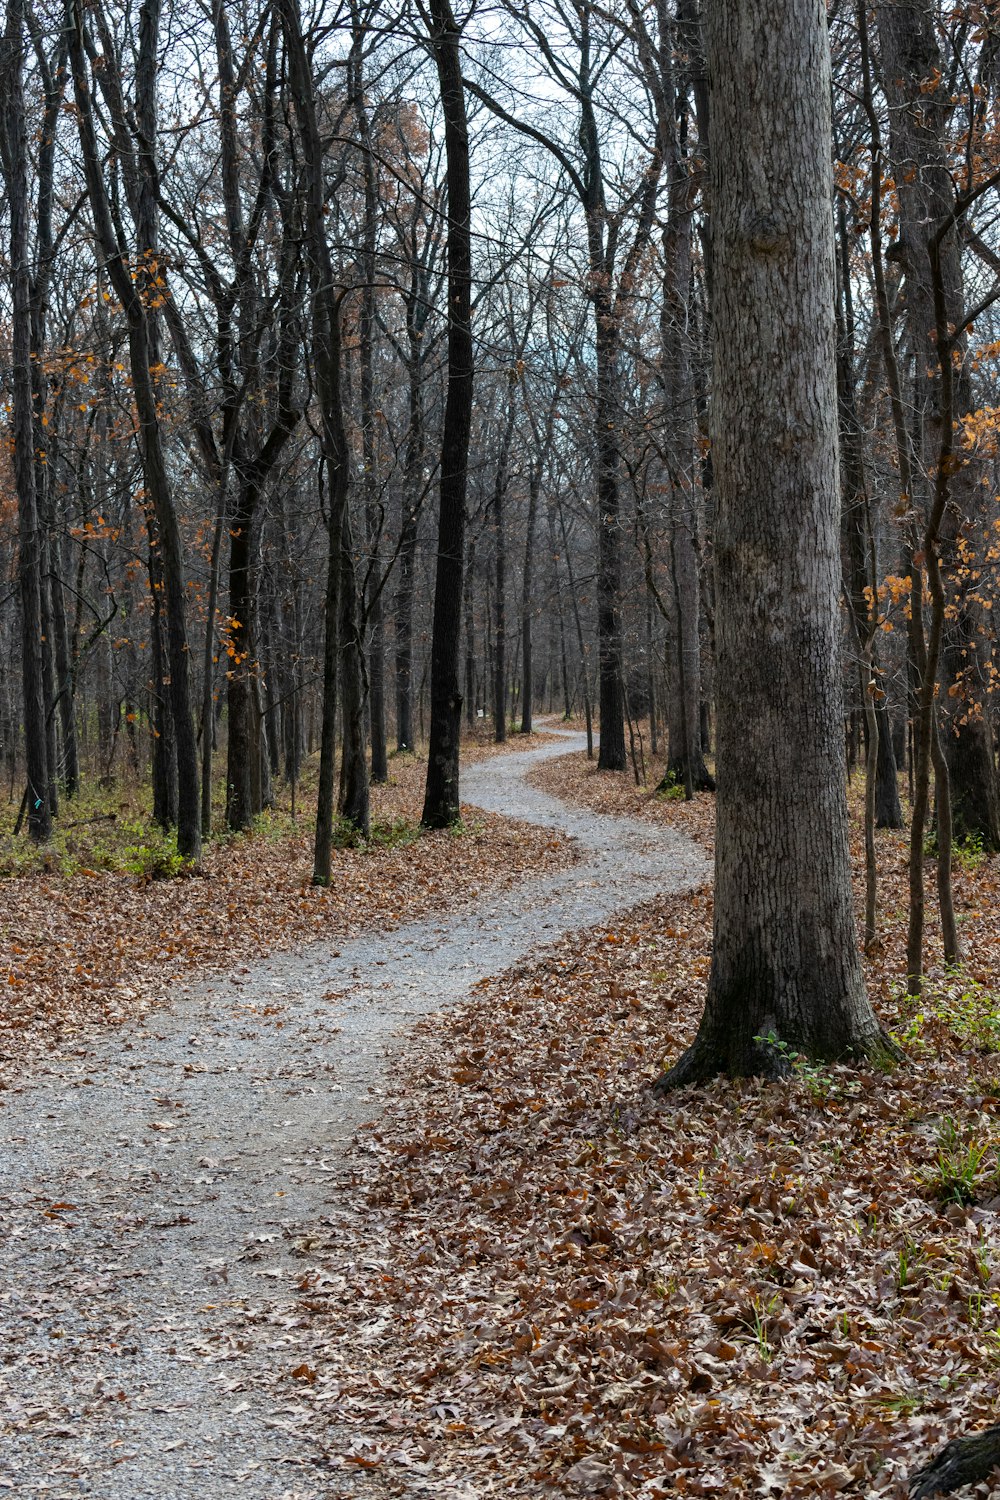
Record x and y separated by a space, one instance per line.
965 1460
767 1056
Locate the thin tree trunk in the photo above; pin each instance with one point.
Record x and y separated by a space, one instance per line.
527 584
133 293
341 592
441 799
16 170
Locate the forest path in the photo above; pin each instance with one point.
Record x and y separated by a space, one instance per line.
151 1188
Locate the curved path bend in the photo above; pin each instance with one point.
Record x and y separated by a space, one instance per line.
151 1189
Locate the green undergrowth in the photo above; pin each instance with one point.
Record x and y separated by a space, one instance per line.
967 853
671 788
966 1168
956 1004
109 828
384 833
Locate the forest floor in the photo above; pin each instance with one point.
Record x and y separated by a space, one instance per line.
163 1184
94 932
524 1277
765 1289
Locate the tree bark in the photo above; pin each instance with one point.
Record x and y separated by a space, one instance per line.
965 1460
527 602
16 168
785 960
441 798
918 115
342 624
135 285
500 568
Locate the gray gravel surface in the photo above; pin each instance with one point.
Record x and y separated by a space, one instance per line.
154 1184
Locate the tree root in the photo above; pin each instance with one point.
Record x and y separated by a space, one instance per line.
965 1460
708 1056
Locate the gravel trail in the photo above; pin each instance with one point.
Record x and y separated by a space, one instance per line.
152 1182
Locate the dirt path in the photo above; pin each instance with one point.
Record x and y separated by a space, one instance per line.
152 1186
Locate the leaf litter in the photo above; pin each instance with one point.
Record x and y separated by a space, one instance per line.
534 1281
98 948
557 1286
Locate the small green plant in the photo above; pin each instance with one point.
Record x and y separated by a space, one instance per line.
959 1172
911 1259
671 787
904 1403
393 833
815 1076
154 857
758 1325
967 852
461 829
981 1255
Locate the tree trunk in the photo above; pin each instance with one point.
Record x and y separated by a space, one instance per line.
500 574
685 760
611 753
441 800
527 656
161 718
241 805
342 616
785 960
16 169
323 845
353 801
134 288
403 622
919 151
374 613
965 1460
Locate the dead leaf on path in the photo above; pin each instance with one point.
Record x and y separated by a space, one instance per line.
589 1475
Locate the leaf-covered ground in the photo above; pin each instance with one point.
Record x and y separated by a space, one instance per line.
560 1287
98 946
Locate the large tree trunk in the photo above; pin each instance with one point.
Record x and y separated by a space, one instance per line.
441 803
785 958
